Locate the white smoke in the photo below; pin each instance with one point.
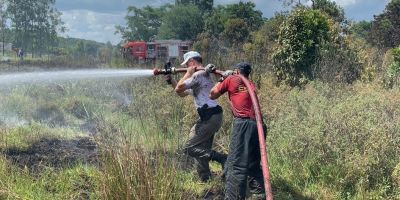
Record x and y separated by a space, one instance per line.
11 120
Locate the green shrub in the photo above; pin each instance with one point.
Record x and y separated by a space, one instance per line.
393 71
299 39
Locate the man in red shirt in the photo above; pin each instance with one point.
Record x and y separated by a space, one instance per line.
243 164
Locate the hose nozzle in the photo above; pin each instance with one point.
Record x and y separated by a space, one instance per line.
168 69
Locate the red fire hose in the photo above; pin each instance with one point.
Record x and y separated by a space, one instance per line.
261 138
263 148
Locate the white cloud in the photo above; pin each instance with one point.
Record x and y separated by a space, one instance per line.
92 25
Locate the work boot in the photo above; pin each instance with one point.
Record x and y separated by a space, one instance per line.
219 157
256 185
204 179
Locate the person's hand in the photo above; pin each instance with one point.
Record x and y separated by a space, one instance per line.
225 75
168 79
191 70
210 68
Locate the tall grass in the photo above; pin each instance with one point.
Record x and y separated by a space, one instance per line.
325 141
130 172
335 142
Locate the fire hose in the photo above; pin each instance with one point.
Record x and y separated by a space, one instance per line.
168 69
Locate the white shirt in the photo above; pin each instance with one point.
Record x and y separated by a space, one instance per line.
199 86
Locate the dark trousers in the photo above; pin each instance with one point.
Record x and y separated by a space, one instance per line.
200 143
243 164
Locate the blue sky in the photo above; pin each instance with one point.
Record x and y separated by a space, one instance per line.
96 19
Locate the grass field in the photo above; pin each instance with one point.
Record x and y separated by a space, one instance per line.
121 139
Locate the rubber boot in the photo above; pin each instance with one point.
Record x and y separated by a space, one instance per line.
219 157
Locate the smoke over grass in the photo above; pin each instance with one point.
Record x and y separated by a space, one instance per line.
64 98
11 120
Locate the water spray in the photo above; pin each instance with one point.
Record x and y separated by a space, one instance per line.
168 69
67 75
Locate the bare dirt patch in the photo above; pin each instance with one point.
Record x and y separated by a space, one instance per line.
54 153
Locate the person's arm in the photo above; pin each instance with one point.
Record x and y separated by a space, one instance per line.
171 81
180 88
214 93
219 89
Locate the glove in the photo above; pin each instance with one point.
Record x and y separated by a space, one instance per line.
168 78
210 68
225 75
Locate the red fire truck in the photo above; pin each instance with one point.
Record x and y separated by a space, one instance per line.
158 49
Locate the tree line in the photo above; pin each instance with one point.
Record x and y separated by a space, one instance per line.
313 40
35 26
32 25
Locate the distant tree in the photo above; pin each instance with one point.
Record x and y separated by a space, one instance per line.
181 22
246 11
3 24
299 40
142 23
214 24
105 53
234 17
80 49
327 6
203 5
263 41
331 8
35 23
361 29
235 31
386 26
393 71
291 2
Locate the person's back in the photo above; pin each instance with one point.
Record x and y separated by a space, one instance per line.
239 96
200 85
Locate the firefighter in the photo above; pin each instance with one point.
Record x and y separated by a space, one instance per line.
243 164
198 84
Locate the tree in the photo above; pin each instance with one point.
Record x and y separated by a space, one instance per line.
105 53
80 49
3 24
142 24
393 70
299 40
291 2
181 22
236 31
386 26
232 16
246 11
35 23
330 8
214 24
327 6
204 5
262 43
361 29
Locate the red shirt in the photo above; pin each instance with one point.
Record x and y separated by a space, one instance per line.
239 96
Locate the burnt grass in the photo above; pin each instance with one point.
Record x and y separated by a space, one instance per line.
54 153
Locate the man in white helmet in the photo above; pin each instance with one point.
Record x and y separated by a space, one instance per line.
198 84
